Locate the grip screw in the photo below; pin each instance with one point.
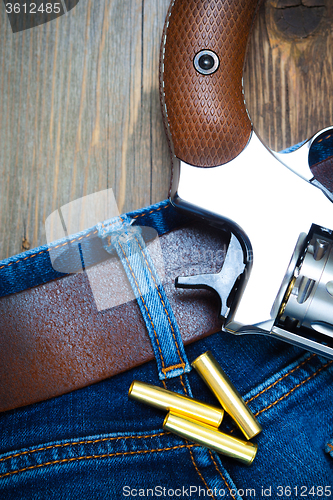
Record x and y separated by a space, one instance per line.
206 62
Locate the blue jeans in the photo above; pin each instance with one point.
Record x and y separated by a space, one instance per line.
95 443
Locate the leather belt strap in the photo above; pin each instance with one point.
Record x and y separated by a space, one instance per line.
54 340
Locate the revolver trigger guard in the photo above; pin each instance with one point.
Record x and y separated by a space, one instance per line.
223 281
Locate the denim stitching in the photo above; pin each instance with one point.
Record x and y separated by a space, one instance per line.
48 250
91 441
142 299
151 212
218 470
77 239
182 382
182 364
197 469
281 378
169 368
159 301
145 451
64 460
293 389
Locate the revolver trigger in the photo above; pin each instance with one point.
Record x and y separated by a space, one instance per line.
223 281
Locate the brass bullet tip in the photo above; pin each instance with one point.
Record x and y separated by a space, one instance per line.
202 356
131 388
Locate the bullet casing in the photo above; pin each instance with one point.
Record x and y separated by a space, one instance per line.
177 403
211 438
228 396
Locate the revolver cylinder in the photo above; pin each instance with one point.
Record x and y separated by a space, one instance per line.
308 302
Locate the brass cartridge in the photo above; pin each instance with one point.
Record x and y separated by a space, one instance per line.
228 396
171 401
211 438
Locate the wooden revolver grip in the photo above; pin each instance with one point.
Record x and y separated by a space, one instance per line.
205 114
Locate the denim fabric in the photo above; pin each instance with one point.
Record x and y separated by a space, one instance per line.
95 443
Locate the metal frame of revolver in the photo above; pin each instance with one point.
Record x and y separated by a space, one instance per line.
277 278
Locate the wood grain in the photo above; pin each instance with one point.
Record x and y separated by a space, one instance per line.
288 75
79 107
79 112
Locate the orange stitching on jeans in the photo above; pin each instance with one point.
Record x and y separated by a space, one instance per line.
224 479
330 446
151 212
139 437
182 382
281 378
196 468
293 389
85 236
288 393
105 455
168 368
165 309
142 299
91 441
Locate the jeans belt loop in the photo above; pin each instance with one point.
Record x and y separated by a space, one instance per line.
155 308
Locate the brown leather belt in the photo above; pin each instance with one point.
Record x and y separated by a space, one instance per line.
54 340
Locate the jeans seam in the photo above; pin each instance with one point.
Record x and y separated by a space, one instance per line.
75 443
76 239
89 457
182 364
198 471
218 470
145 305
151 212
187 445
48 250
281 378
294 388
182 383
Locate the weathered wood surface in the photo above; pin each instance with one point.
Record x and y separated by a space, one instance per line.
288 77
79 106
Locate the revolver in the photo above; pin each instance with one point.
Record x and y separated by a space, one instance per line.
277 277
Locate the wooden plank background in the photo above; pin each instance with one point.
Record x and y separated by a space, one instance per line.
79 104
